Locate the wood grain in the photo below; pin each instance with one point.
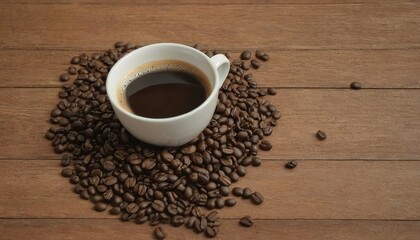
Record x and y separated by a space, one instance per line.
201 2
286 69
350 26
102 229
365 124
313 190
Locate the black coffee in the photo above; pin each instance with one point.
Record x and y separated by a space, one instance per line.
166 91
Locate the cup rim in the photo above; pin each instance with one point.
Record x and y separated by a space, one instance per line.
114 68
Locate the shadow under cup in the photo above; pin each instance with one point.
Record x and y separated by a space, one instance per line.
172 131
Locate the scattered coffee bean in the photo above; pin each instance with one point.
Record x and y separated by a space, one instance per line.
265 145
255 64
237 191
246 221
230 202
246 55
100 206
211 232
257 198
247 192
260 54
321 135
290 165
271 91
66 172
160 233
64 77
356 85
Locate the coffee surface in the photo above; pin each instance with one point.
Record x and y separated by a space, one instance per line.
165 93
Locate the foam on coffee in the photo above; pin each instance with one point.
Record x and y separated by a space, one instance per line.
159 66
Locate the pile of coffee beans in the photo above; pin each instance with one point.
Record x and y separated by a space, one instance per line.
145 183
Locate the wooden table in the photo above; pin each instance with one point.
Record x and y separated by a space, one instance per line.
363 182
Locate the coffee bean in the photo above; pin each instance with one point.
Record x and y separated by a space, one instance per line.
132 208
224 190
245 55
160 233
356 85
256 161
115 211
257 198
213 216
100 206
321 135
84 194
67 172
260 54
191 221
241 170
177 220
211 232
255 64
237 191
247 192
230 202
74 179
75 60
220 203
290 165
265 145
246 221
110 181
158 205
64 77
271 91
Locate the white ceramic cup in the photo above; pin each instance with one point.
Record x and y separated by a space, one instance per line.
177 130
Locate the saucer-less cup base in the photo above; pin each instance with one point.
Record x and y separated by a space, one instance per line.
173 131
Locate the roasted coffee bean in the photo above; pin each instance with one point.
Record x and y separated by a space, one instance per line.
211 232
255 64
67 172
212 216
158 205
84 194
220 203
74 179
160 233
321 135
246 221
191 221
271 91
256 161
290 165
211 203
241 170
265 145
356 85
64 77
224 190
246 55
237 191
230 202
141 219
132 208
177 220
115 211
260 54
100 206
246 193
257 198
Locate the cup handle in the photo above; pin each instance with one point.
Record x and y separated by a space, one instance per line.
222 65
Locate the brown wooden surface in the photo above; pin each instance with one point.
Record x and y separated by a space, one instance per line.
361 183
